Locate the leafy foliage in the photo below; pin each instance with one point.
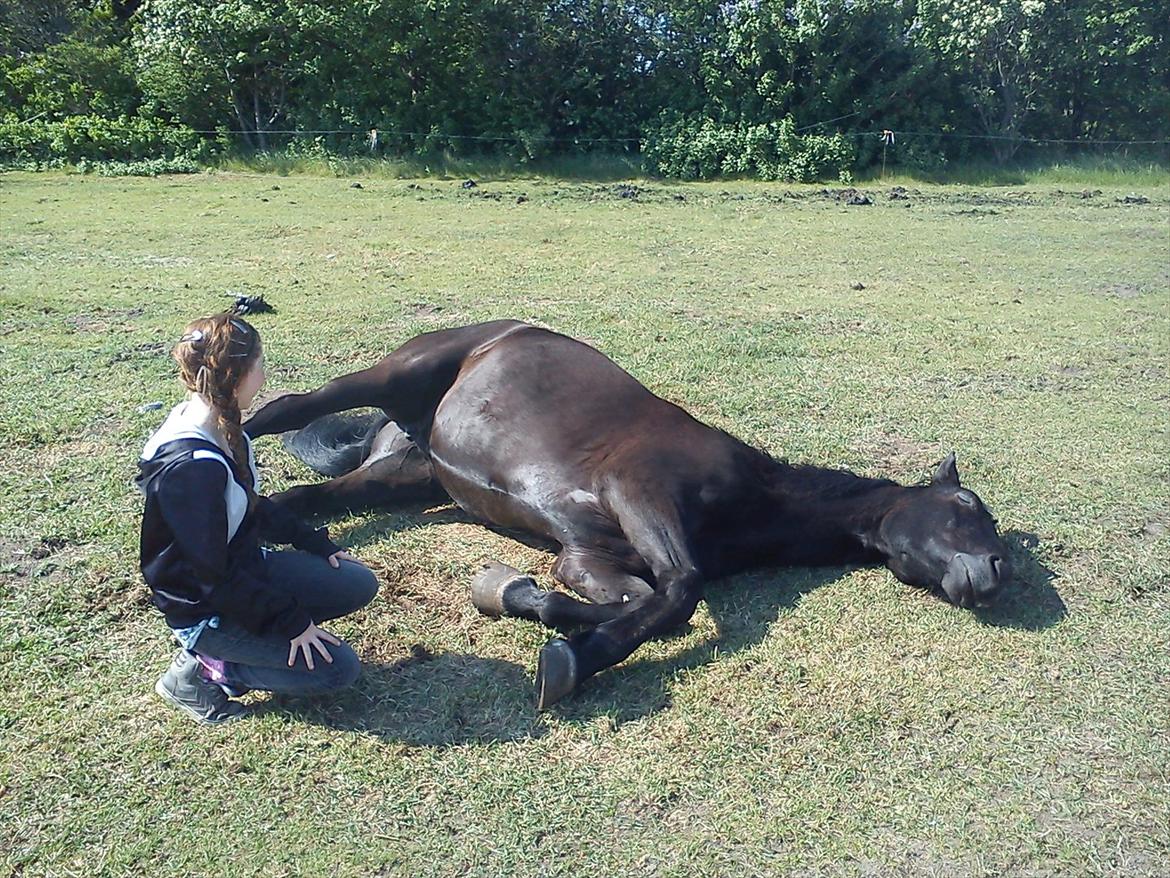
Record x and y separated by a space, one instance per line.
701 148
782 89
96 138
143 168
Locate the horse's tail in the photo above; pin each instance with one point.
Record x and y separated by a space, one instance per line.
334 445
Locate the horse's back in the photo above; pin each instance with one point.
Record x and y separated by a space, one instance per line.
535 395
537 424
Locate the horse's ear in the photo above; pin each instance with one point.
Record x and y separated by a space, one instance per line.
946 473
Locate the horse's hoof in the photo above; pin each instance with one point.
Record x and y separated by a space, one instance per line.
556 673
489 585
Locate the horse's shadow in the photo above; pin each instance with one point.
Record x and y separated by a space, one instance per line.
745 607
427 513
1030 602
743 610
454 699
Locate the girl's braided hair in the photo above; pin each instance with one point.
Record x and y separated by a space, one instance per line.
214 355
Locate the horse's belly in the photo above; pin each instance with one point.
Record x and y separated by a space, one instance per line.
494 505
498 479
513 440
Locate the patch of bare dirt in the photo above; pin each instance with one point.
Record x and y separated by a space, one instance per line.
427 311
898 457
850 196
140 351
103 320
1121 291
30 561
1157 525
914 857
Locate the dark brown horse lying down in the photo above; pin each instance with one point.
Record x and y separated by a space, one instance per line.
528 429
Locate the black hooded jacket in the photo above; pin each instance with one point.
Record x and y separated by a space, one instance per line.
200 541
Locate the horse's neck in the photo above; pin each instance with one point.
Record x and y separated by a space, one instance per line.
810 516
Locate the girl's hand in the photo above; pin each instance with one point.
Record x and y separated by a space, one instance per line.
311 638
337 557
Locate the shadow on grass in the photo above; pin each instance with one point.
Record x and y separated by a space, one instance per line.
424 514
743 608
1030 602
402 518
428 700
452 699
746 606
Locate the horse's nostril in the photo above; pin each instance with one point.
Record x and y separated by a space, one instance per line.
996 565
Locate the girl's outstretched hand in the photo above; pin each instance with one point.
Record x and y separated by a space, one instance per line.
337 557
311 638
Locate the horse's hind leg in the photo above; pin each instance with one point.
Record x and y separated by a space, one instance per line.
406 384
292 411
500 590
397 471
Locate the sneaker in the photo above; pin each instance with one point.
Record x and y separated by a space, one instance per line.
215 670
183 686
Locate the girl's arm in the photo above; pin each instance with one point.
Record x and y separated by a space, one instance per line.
191 500
278 525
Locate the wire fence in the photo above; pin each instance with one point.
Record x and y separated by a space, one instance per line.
426 135
388 133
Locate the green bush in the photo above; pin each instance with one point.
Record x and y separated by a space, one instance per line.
143 168
95 138
701 148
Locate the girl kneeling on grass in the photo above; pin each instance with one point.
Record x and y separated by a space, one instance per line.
246 617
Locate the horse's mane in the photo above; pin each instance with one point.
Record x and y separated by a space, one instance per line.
805 479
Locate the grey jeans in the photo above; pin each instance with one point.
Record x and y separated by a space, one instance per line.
261 662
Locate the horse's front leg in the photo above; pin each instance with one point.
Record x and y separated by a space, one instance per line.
500 590
564 664
655 529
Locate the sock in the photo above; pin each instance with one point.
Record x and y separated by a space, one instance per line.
215 670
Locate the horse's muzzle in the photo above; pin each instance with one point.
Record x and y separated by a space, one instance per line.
973 580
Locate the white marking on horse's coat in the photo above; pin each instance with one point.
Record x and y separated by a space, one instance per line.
579 496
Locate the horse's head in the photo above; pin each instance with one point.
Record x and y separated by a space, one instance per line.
942 536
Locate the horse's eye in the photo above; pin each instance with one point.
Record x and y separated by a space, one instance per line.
965 499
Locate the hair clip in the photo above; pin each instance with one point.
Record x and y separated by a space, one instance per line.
249 337
195 335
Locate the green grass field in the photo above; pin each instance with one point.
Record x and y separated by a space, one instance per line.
806 723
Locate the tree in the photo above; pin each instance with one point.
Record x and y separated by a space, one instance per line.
65 59
210 61
1105 71
27 28
994 47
